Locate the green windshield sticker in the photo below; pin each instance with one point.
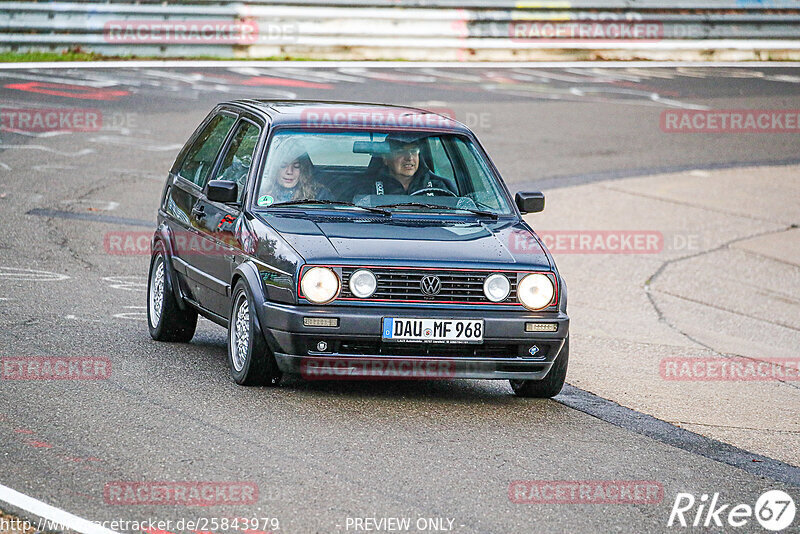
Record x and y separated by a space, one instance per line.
265 200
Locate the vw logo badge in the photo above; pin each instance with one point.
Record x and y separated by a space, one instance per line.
430 285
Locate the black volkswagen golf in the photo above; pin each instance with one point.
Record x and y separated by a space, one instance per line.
349 241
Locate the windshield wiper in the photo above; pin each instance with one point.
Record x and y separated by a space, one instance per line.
437 207
330 203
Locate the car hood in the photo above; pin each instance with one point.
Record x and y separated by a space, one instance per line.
381 240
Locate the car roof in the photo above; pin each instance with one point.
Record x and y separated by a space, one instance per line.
335 114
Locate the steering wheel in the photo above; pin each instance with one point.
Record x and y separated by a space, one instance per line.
432 189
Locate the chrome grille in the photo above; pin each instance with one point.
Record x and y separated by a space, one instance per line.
404 285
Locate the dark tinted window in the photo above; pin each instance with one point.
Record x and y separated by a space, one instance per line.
202 154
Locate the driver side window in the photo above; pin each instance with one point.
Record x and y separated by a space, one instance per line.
439 158
201 156
484 190
236 164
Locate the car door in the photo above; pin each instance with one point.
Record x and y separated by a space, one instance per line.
181 202
222 224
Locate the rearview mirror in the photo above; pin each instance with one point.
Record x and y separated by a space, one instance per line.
370 147
222 191
530 202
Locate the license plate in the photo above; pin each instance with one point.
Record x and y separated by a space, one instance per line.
407 329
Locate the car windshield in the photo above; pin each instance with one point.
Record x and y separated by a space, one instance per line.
400 171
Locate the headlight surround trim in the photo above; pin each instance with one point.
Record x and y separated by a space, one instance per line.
515 276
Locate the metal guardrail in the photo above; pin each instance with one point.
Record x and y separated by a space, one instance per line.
602 5
404 29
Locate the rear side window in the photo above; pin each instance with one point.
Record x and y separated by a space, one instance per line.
200 157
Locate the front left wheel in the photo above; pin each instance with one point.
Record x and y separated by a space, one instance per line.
250 361
166 321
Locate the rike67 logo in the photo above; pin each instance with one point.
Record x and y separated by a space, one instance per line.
774 510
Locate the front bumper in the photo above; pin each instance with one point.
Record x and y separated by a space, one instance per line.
354 349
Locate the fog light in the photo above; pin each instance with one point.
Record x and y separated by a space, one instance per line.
330 322
363 283
496 287
541 327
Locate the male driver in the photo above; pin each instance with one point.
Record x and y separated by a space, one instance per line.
401 172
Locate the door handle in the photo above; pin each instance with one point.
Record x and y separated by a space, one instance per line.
199 212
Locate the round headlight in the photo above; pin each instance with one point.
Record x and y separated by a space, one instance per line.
535 291
363 283
320 285
496 287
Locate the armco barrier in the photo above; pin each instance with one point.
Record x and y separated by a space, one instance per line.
409 29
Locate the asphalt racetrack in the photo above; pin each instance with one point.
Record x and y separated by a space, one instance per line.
343 456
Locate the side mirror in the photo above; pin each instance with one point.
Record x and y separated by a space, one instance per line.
222 191
530 202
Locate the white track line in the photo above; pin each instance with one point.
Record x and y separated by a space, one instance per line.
387 64
60 517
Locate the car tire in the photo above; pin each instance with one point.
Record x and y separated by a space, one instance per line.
250 361
551 384
166 321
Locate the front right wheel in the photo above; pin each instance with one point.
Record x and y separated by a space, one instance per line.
249 358
551 384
